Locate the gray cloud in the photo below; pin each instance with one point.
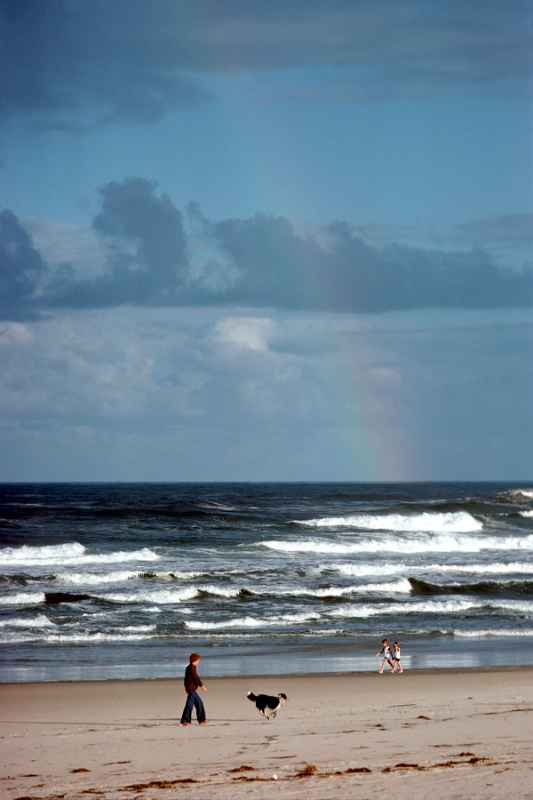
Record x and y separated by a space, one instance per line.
133 62
90 66
207 395
343 273
151 257
147 257
507 228
22 269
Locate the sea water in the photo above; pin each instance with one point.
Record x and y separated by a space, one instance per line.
124 581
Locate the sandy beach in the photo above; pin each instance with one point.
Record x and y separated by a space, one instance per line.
342 736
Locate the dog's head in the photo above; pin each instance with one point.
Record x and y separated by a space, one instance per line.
282 697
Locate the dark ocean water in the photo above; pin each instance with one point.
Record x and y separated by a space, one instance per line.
107 581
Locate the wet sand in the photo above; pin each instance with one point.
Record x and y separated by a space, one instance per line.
447 734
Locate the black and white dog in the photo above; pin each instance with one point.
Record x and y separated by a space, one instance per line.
267 704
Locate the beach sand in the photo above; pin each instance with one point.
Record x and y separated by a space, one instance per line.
440 734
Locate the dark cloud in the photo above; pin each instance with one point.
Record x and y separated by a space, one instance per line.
336 270
264 261
130 61
90 66
151 258
22 270
147 250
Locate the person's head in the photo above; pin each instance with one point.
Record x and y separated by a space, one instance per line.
384 641
194 658
396 644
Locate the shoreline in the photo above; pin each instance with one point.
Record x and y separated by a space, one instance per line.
345 735
526 668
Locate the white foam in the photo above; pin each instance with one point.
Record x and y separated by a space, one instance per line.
527 494
73 638
22 599
219 591
440 543
254 622
164 596
171 595
40 621
48 554
526 514
427 522
138 628
479 569
91 579
69 554
443 607
401 586
492 633
214 505
518 606
362 570
429 607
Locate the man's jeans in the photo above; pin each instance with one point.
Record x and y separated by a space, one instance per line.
193 699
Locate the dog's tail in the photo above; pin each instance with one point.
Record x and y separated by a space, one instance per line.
251 696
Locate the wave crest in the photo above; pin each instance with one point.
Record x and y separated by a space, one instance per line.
69 553
254 622
40 621
480 587
427 522
442 543
22 599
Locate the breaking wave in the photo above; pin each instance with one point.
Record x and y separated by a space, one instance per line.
91 579
427 522
443 607
363 570
401 586
481 587
40 621
442 543
70 553
430 607
254 622
515 567
80 638
163 596
521 494
22 599
492 633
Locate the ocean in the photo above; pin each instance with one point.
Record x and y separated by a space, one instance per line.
102 581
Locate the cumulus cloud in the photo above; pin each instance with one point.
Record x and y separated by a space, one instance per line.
337 270
149 253
245 333
22 269
132 62
146 250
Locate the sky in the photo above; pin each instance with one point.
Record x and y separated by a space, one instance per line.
283 241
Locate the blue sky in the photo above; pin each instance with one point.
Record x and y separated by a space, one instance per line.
245 241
